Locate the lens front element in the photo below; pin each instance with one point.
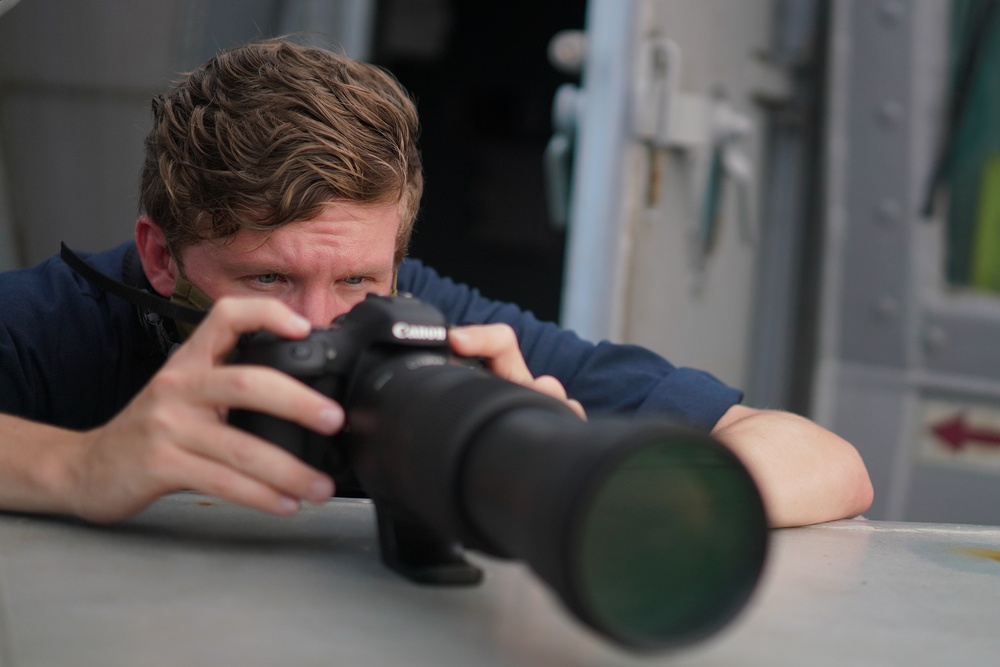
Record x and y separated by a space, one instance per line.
670 546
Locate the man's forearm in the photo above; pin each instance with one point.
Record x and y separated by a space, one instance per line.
34 465
805 473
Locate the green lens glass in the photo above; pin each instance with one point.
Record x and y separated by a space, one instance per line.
672 544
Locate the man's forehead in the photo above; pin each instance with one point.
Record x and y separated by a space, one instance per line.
339 229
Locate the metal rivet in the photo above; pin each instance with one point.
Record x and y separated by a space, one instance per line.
935 338
891 13
890 112
890 211
887 308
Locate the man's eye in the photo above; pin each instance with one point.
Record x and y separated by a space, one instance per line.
267 278
354 280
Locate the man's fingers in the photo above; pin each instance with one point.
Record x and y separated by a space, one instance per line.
272 392
173 436
546 384
195 424
267 390
498 344
205 475
230 318
242 462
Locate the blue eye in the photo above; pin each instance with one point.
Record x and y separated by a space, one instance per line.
354 280
267 278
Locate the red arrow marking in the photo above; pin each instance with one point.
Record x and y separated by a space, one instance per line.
955 433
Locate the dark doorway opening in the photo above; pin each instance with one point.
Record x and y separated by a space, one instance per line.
484 87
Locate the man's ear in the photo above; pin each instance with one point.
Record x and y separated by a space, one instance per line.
157 262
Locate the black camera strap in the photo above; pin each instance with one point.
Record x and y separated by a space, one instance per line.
138 297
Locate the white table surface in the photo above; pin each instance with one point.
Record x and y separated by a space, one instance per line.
195 581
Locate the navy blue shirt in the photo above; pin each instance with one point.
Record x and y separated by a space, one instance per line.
73 356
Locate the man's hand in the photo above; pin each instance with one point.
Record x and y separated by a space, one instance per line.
497 343
174 436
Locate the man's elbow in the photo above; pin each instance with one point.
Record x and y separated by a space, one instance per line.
854 492
862 493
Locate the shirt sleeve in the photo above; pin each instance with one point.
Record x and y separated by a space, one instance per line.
15 386
605 378
66 352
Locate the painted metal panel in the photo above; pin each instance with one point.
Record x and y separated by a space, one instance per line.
963 341
638 269
909 367
875 289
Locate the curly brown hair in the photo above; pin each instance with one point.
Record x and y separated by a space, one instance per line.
268 133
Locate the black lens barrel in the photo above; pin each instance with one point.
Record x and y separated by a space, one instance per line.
650 533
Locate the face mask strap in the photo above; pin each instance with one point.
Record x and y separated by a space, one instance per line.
135 296
188 295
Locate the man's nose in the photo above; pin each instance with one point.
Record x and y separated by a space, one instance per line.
319 307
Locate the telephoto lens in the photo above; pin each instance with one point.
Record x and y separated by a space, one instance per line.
651 533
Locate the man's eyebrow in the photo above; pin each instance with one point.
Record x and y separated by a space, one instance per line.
370 270
256 266
264 266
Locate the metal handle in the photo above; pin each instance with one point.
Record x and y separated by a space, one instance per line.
558 158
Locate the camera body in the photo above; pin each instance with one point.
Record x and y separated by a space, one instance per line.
379 338
413 409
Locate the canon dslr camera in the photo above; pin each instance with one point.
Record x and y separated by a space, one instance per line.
651 533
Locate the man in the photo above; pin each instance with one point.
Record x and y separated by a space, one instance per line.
280 187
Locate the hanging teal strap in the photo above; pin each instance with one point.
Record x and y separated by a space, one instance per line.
711 202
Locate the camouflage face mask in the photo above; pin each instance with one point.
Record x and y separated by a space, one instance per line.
186 294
